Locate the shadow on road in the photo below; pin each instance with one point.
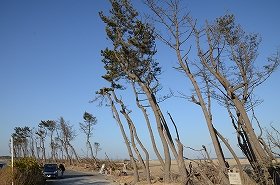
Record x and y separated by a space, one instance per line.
75 176
78 178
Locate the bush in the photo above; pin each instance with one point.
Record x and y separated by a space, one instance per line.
27 171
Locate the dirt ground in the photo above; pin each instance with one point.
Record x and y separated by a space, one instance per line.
156 172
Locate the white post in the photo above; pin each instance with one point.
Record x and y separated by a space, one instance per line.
101 171
12 158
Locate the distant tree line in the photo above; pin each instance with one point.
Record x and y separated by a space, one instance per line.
32 142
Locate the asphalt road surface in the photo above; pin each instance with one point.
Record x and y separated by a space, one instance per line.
79 178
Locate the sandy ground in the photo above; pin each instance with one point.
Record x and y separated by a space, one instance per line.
156 171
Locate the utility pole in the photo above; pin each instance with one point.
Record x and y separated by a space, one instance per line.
12 158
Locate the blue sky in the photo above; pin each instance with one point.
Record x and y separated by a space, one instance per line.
50 67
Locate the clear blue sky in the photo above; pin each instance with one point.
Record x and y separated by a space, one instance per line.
50 67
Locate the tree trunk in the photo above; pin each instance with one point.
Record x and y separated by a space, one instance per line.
32 149
207 116
258 150
61 152
263 160
74 152
133 134
43 149
116 116
181 163
65 146
90 148
147 165
52 147
156 110
149 127
37 149
239 166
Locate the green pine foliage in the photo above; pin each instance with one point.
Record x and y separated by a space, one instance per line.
133 41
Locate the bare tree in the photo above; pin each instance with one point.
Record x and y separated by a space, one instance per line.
50 125
273 138
97 148
32 143
174 18
107 93
67 135
38 148
59 146
146 116
41 133
227 60
87 128
235 78
134 136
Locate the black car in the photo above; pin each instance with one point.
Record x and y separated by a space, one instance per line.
2 165
50 170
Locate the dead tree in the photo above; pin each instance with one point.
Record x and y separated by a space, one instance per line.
228 60
134 136
67 135
176 35
235 78
273 138
50 125
41 133
107 92
32 143
147 119
87 128
97 148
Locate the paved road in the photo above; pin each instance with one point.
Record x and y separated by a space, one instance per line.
79 178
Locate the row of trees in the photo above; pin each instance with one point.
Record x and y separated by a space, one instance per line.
32 142
222 67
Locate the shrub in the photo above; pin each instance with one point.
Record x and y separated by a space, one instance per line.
27 171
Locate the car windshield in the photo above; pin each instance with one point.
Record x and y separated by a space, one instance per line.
50 167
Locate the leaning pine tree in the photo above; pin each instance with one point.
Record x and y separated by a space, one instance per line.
131 58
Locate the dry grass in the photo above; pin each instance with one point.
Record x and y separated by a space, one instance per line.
20 178
26 172
6 176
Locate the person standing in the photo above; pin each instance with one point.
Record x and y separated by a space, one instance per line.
62 169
